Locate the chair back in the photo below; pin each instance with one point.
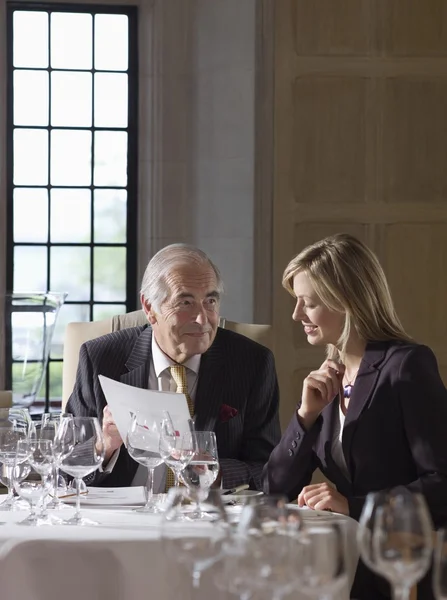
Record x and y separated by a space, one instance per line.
78 333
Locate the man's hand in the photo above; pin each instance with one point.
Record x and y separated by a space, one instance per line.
319 389
112 438
321 496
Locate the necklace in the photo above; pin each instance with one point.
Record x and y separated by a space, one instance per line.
347 389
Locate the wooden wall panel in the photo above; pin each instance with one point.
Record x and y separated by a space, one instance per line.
413 27
414 139
325 27
360 145
329 115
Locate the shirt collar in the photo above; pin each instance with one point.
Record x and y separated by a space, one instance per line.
162 361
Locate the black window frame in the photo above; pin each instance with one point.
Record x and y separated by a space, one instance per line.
131 244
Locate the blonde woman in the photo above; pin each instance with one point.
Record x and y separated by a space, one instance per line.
374 415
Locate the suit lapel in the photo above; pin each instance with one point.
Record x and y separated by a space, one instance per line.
209 391
365 382
139 361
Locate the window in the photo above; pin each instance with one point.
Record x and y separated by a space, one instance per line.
71 164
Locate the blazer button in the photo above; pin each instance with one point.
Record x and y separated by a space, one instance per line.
294 444
290 452
298 435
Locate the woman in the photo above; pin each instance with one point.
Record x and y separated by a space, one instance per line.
374 415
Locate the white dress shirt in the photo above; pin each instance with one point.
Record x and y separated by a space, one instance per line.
160 379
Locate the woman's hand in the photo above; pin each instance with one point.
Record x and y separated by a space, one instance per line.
322 496
319 389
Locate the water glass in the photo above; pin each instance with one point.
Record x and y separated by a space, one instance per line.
402 540
143 445
9 436
196 548
63 445
173 451
85 458
201 471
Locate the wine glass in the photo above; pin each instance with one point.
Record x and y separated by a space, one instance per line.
86 457
9 436
60 428
7 476
196 548
143 445
174 453
323 560
201 471
265 515
16 417
440 566
402 540
39 455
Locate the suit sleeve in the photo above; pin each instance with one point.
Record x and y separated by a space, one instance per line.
88 400
293 461
261 429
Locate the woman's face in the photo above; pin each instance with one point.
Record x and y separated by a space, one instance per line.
321 324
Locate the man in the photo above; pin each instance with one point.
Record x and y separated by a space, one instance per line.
231 379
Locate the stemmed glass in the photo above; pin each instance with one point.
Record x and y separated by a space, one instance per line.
60 428
196 548
9 436
322 562
86 457
201 471
39 454
175 453
143 445
440 566
399 543
21 472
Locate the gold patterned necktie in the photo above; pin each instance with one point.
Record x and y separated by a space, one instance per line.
178 374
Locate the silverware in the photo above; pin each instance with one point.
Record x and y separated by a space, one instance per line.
236 490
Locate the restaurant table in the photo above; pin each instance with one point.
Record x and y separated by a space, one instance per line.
120 559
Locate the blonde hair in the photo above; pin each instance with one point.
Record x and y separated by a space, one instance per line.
348 278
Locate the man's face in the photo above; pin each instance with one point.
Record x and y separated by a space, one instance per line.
188 319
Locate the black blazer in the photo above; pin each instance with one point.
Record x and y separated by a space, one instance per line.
395 433
235 371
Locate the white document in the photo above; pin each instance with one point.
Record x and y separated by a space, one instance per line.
123 400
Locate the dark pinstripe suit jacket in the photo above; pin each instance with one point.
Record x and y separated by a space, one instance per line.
235 371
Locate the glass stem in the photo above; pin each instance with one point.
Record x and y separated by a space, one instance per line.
149 486
77 515
10 480
196 579
55 478
401 593
176 478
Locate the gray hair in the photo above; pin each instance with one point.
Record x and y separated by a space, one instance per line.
154 287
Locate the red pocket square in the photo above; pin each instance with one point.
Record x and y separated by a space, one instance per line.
227 412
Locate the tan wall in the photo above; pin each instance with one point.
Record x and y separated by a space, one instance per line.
361 146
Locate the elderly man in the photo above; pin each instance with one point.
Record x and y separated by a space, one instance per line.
231 380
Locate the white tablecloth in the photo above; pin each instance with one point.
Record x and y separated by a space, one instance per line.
121 559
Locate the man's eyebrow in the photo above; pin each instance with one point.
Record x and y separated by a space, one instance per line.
214 294
182 295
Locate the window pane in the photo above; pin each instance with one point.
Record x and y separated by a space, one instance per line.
30 98
27 26
70 272
111 100
71 99
106 311
30 215
110 216
111 42
110 158
70 216
30 157
71 41
109 274
56 380
30 269
67 314
71 153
